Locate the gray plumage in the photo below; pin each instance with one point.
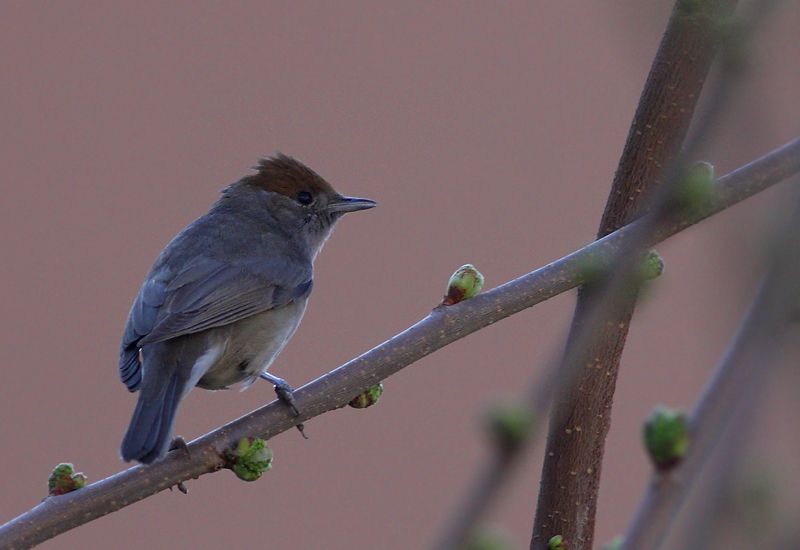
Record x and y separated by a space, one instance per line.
225 295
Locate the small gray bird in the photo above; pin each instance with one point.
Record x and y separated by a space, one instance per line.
225 296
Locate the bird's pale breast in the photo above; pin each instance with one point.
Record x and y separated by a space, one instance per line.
250 345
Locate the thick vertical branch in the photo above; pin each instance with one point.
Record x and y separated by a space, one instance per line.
581 413
666 105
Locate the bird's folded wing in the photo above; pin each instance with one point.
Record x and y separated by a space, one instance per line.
208 293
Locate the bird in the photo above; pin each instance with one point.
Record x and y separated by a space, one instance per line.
225 296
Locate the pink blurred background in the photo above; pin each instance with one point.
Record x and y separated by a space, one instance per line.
487 132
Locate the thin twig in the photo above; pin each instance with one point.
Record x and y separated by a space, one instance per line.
441 327
741 373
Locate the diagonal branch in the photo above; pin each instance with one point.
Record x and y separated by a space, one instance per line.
441 327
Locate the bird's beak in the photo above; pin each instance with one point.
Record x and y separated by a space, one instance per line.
343 205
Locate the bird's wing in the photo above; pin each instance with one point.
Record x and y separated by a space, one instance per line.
209 293
206 293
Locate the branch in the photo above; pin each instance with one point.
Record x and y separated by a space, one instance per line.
567 501
735 384
441 327
643 233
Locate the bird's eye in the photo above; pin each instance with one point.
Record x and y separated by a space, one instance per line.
305 198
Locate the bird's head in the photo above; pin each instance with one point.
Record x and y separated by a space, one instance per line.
298 198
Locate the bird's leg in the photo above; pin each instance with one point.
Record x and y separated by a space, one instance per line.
285 393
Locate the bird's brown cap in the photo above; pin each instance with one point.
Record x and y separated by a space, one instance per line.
287 176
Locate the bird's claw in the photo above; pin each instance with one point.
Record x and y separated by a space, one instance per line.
179 444
285 393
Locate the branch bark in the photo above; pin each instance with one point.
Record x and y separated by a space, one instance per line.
441 327
573 458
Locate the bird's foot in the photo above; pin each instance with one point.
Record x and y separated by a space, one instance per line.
285 393
283 390
179 444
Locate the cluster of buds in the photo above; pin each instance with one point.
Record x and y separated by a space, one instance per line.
250 458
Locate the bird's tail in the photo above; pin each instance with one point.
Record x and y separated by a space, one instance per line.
150 431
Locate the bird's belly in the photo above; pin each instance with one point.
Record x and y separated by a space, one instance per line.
251 345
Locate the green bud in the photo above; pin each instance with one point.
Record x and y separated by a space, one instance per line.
368 398
64 479
80 480
556 543
250 458
652 266
615 544
593 269
487 539
666 437
465 283
701 173
695 193
510 424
